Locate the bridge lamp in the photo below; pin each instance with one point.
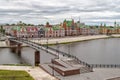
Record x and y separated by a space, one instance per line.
57 50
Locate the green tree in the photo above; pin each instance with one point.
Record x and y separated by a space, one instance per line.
2 30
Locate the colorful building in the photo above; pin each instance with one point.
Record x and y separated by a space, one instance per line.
24 31
67 28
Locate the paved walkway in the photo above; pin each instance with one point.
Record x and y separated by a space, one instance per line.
73 39
3 44
70 39
36 72
98 74
65 39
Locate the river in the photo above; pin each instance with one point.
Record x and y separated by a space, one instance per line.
101 51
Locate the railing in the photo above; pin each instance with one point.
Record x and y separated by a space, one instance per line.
38 46
46 48
105 65
71 56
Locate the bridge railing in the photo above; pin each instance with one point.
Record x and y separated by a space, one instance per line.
90 66
105 65
72 56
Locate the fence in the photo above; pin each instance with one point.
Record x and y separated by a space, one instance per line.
105 65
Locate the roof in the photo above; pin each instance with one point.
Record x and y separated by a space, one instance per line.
69 23
56 27
17 28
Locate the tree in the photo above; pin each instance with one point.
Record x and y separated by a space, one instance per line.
13 24
7 24
2 30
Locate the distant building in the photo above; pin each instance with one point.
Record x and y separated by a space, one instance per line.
67 28
41 31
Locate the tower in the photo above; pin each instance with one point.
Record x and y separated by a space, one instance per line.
115 24
64 24
72 24
47 24
65 27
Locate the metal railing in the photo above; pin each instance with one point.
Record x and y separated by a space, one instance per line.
46 48
105 65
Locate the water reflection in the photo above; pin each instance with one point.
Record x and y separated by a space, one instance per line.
102 51
7 57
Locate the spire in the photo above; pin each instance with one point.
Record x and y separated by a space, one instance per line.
47 24
65 20
104 24
115 24
101 24
79 19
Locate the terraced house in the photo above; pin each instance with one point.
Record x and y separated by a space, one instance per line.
67 28
24 31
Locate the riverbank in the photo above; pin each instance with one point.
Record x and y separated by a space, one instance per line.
3 44
70 39
66 39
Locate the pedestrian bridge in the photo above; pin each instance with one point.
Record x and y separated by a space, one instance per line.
58 53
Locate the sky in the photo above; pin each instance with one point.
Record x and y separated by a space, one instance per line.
91 12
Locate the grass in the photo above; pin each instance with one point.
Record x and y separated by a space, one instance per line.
14 75
17 64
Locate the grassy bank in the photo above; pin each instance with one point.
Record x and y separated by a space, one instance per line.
14 75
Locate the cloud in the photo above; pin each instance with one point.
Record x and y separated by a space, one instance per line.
39 11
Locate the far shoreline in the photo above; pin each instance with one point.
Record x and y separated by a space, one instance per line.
65 40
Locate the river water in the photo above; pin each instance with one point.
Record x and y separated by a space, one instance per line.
102 51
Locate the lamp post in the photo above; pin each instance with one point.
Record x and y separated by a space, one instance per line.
47 45
69 48
53 68
57 50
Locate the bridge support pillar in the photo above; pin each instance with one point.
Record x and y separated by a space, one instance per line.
37 58
13 49
18 50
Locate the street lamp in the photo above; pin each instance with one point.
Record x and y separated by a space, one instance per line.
53 68
47 45
69 48
57 50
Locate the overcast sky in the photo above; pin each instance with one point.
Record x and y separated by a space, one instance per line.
55 11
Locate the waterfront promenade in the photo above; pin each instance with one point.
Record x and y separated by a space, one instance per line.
38 74
3 44
69 39
98 74
64 39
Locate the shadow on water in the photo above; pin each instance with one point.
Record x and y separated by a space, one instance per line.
8 56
